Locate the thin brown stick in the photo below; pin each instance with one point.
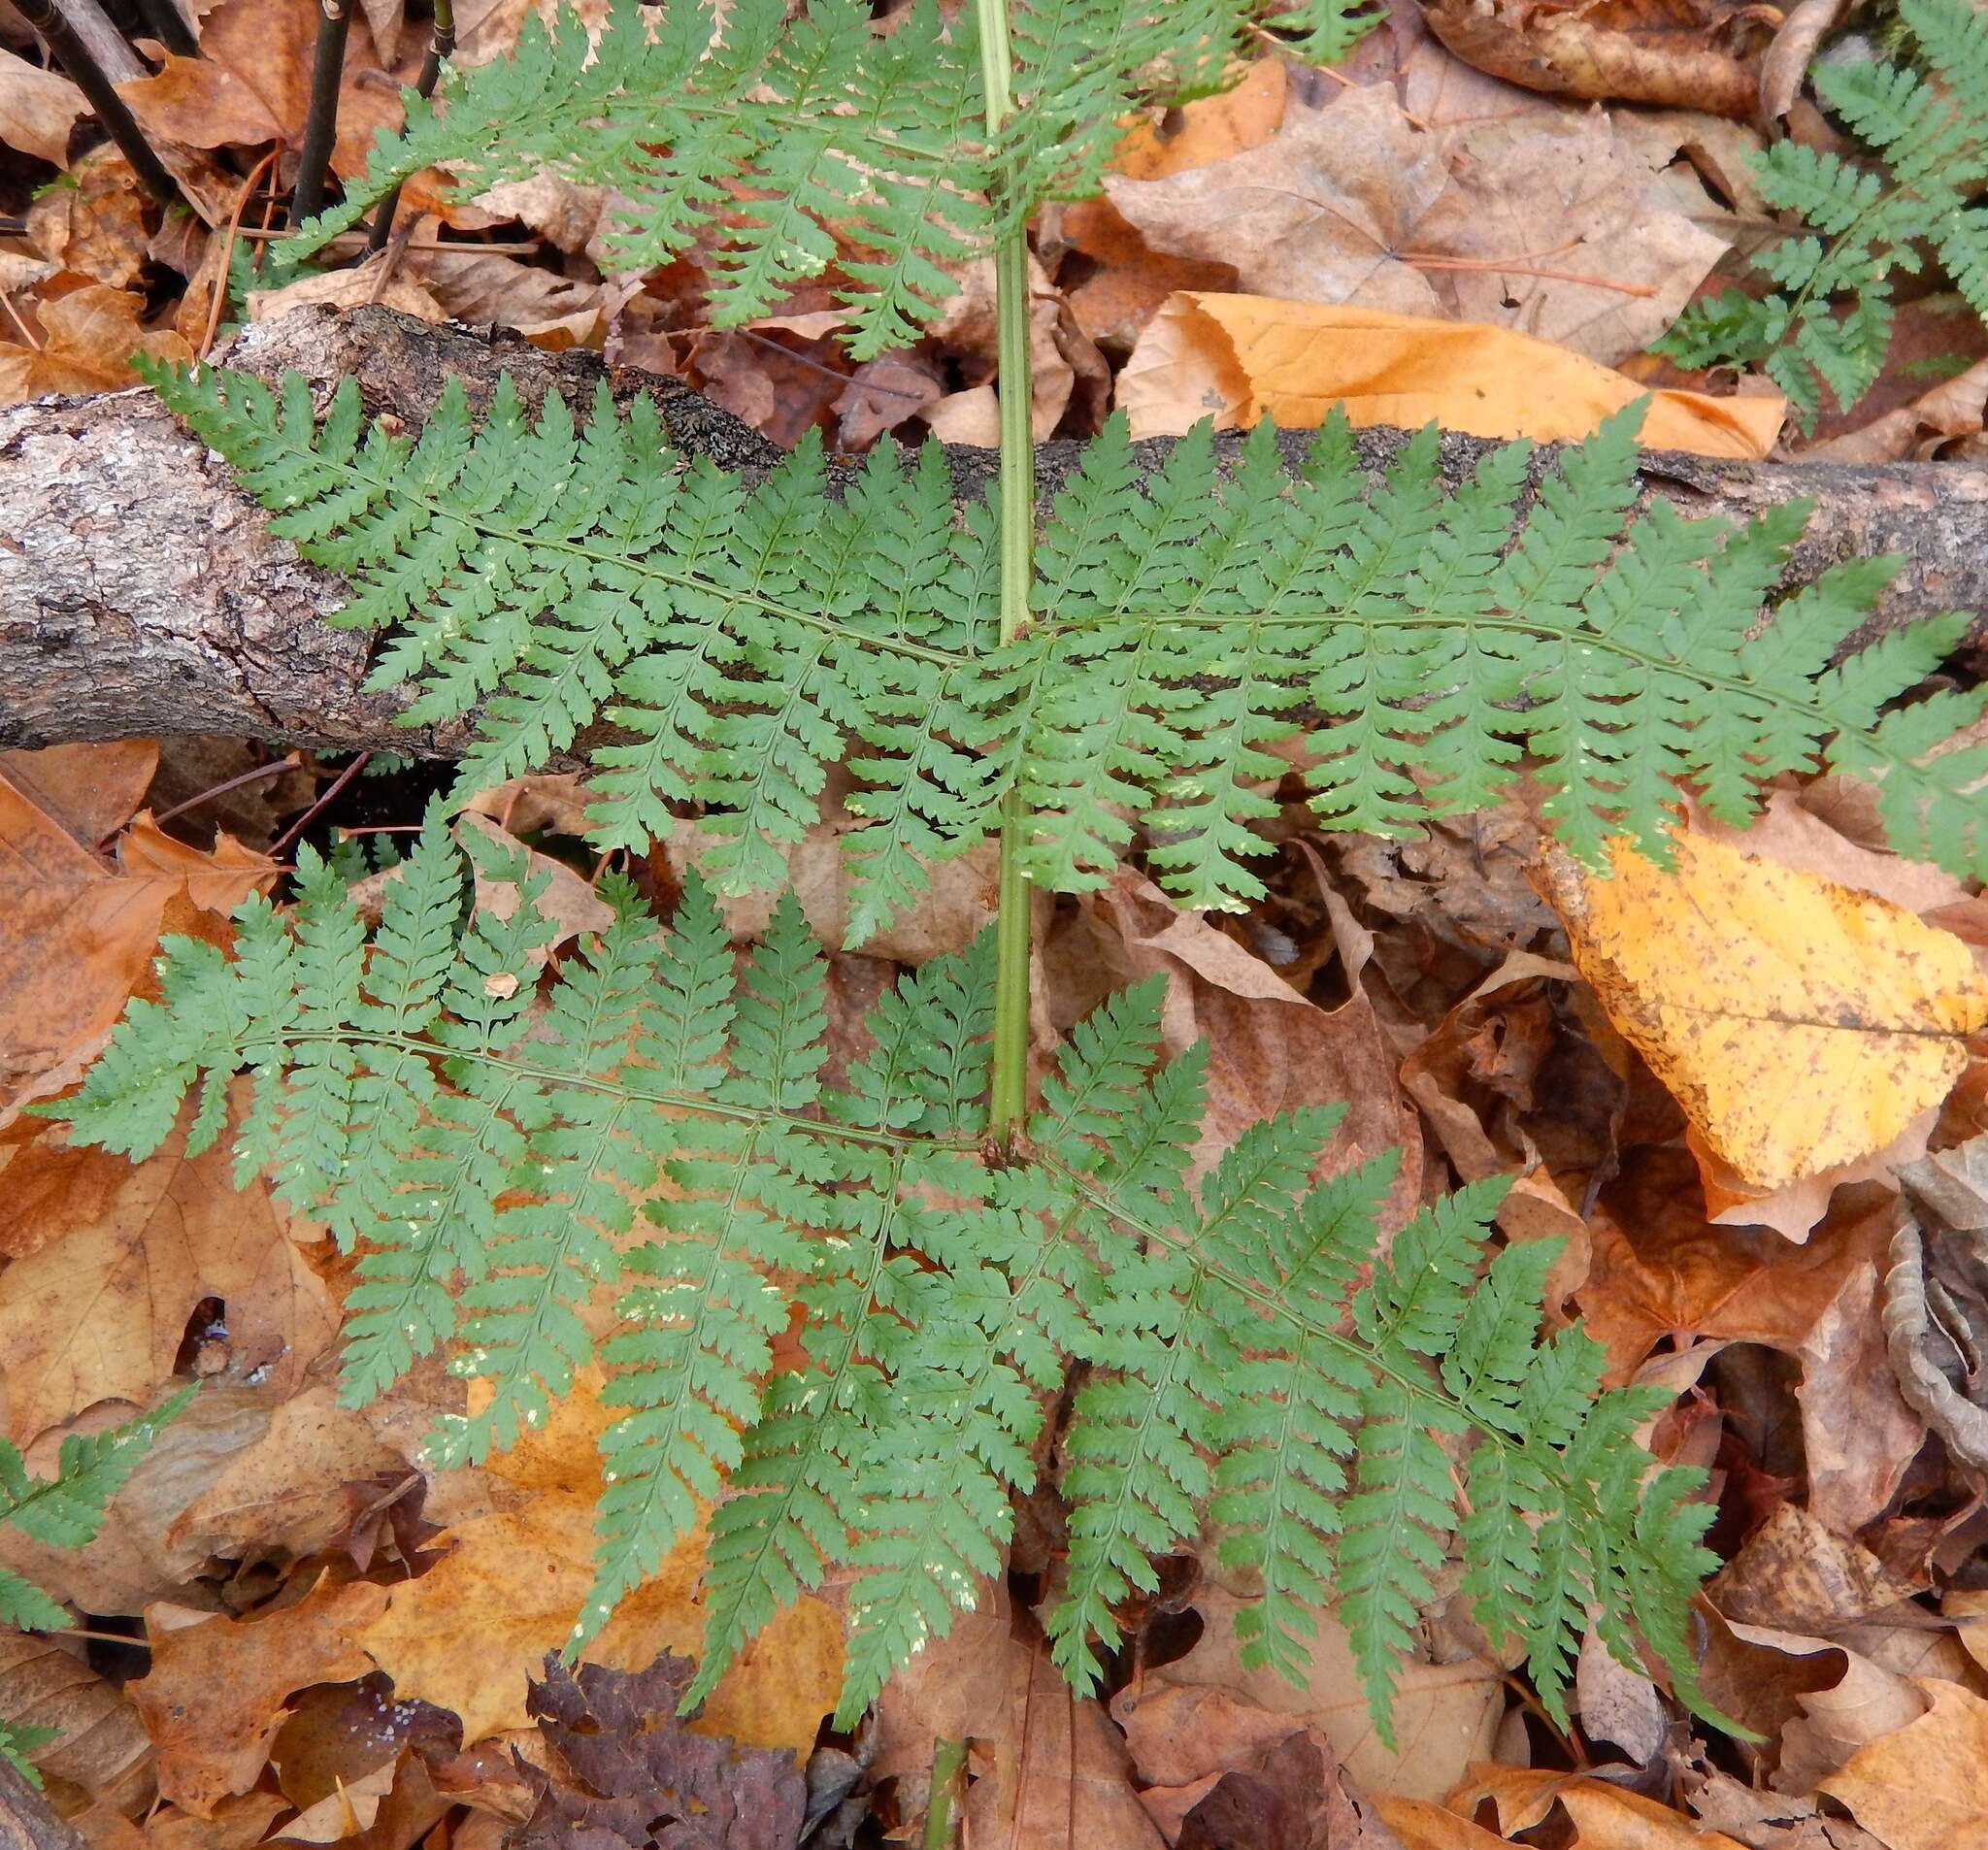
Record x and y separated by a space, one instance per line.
226 266
322 804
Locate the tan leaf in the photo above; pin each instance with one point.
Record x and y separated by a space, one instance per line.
1926 1786
99 1313
1800 1024
286 1492
467 1633
79 938
95 224
1242 358
1445 1714
38 109
215 1695
568 897
1270 1049
92 790
1209 128
1550 225
353 289
1423 1826
131 1562
89 338
1859 1434
1604 1816
99 1745
217 879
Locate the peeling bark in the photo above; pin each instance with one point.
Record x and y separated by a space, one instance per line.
140 591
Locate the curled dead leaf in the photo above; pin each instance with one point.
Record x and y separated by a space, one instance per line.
1936 1297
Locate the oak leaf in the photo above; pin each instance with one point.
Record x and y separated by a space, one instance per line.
216 1692
1801 1024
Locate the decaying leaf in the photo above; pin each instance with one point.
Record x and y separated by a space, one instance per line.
467 1635
1445 1714
1926 1786
639 1776
96 1743
1602 1815
1798 1023
1936 1297
1549 225
214 1697
98 1312
1243 358
1698 54
38 109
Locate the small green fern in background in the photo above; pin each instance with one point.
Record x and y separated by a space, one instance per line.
782 134
408 1093
744 640
64 1512
1827 323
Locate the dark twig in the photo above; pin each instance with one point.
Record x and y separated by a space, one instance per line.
320 123
89 77
169 27
441 43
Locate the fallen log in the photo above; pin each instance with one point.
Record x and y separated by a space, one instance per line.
140 591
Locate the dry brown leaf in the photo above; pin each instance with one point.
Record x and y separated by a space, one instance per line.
488 288
1926 1786
366 282
1603 1816
1270 1049
1800 1024
1659 1270
568 897
80 937
1423 1826
95 224
99 1747
1209 128
1794 1574
1057 1776
1954 408
215 1695
285 1492
1445 1714
966 328
92 790
1859 1434
1243 358
1687 53
99 1312
38 109
89 337
468 1634
1549 225
1129 279
131 1562
346 1811
251 84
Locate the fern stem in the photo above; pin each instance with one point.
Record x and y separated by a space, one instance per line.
948 1763
1007 1100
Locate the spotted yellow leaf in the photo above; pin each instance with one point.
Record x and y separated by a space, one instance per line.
1801 1024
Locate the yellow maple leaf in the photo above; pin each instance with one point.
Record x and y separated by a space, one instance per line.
1801 1024
466 1634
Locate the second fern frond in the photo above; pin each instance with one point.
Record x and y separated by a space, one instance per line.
482 1154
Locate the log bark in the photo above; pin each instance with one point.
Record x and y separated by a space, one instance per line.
140 591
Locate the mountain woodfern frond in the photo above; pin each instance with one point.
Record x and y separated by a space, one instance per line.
801 144
480 1138
1828 319
1422 649
64 1512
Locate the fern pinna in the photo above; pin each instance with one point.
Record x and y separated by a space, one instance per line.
1249 1358
1423 648
64 1512
1827 321
764 130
